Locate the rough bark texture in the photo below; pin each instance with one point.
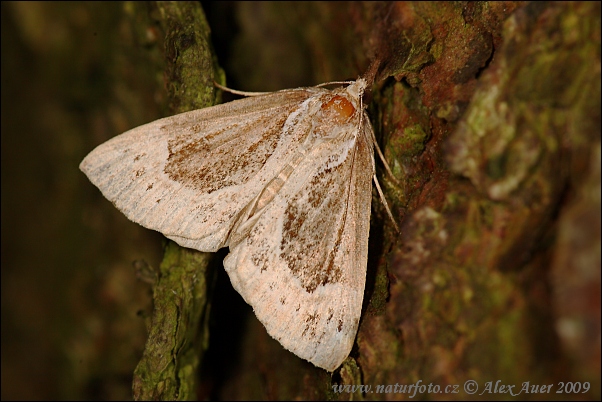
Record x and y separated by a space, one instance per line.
178 331
488 113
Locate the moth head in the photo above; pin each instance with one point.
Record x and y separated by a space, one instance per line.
349 99
357 88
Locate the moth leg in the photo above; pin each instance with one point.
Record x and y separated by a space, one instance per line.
382 157
384 201
372 139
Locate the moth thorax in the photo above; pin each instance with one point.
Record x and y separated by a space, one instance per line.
338 109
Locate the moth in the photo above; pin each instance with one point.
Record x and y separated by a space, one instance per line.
284 180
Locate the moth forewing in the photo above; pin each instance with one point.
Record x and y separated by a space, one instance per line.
284 180
302 266
189 175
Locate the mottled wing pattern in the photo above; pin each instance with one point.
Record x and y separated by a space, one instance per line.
284 180
302 265
189 176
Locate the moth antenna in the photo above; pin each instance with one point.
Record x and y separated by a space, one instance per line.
384 201
235 92
335 83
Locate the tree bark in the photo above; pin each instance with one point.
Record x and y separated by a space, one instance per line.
488 114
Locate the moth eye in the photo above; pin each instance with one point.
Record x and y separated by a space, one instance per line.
338 108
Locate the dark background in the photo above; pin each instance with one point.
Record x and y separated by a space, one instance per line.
74 75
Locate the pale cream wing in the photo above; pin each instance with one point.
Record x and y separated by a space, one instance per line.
190 175
302 265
